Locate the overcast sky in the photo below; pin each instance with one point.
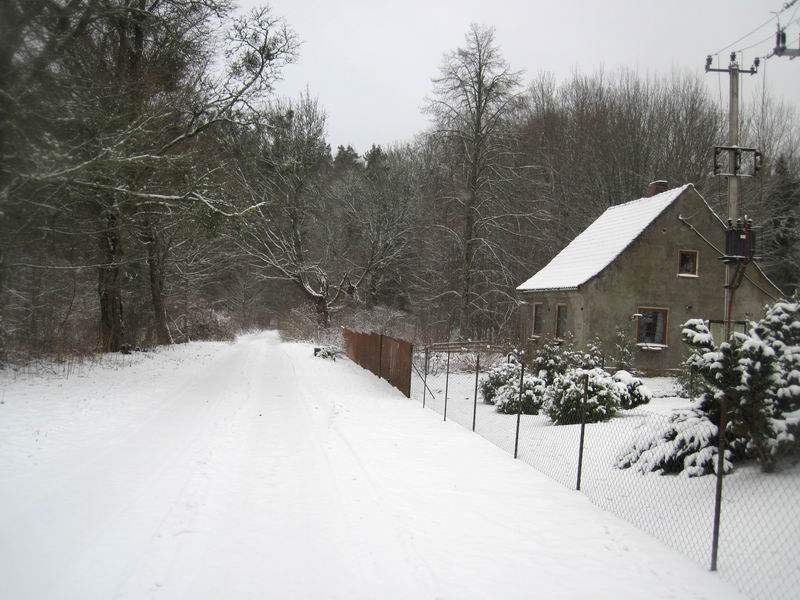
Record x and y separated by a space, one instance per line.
370 62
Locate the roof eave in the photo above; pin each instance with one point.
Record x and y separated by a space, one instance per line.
553 289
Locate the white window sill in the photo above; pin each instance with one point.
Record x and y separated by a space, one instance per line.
653 347
689 275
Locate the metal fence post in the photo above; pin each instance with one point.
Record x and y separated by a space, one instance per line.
425 378
446 385
723 421
475 400
519 407
583 429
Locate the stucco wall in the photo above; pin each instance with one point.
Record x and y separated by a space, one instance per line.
646 275
549 301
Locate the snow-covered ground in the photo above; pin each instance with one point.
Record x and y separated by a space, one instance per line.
253 470
760 530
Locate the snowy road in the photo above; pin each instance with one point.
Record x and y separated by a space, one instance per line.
252 470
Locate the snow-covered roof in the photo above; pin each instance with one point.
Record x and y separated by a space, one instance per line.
600 243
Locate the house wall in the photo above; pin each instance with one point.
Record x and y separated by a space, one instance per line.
646 275
549 301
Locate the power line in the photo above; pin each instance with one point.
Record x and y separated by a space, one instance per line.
747 35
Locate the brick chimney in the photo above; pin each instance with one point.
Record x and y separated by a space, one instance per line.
656 187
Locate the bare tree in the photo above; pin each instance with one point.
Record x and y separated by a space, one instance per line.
473 98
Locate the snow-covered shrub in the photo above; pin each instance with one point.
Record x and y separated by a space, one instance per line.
497 377
592 355
781 326
327 352
758 375
564 401
624 351
686 444
507 398
632 392
553 359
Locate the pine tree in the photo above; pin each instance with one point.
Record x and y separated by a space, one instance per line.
783 241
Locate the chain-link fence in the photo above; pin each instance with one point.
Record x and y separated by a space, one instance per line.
759 541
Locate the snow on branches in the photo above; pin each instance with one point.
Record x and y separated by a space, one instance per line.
758 376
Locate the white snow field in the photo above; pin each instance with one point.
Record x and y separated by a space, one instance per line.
253 470
760 523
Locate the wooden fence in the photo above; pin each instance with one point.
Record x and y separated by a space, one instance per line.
386 357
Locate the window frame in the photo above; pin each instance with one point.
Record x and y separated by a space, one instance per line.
538 307
696 253
559 335
643 309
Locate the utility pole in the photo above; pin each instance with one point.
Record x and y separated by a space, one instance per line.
739 240
738 252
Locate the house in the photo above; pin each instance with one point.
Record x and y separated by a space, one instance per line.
639 272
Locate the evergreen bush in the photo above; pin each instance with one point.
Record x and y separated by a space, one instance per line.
758 374
564 402
507 398
497 377
632 392
624 352
592 355
686 444
554 358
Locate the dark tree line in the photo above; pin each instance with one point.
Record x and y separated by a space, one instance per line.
154 190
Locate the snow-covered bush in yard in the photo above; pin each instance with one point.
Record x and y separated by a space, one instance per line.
327 352
758 375
553 359
781 326
623 347
564 402
507 398
592 355
497 377
685 445
632 392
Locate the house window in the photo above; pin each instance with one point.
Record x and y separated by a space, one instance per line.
652 326
717 329
537 318
687 263
561 320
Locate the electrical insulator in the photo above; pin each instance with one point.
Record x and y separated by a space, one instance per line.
758 161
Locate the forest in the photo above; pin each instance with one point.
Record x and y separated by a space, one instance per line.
155 189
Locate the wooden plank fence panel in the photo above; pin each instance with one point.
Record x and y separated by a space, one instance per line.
385 357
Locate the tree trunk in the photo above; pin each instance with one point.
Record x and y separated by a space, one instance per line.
3 346
155 265
112 326
323 313
465 321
